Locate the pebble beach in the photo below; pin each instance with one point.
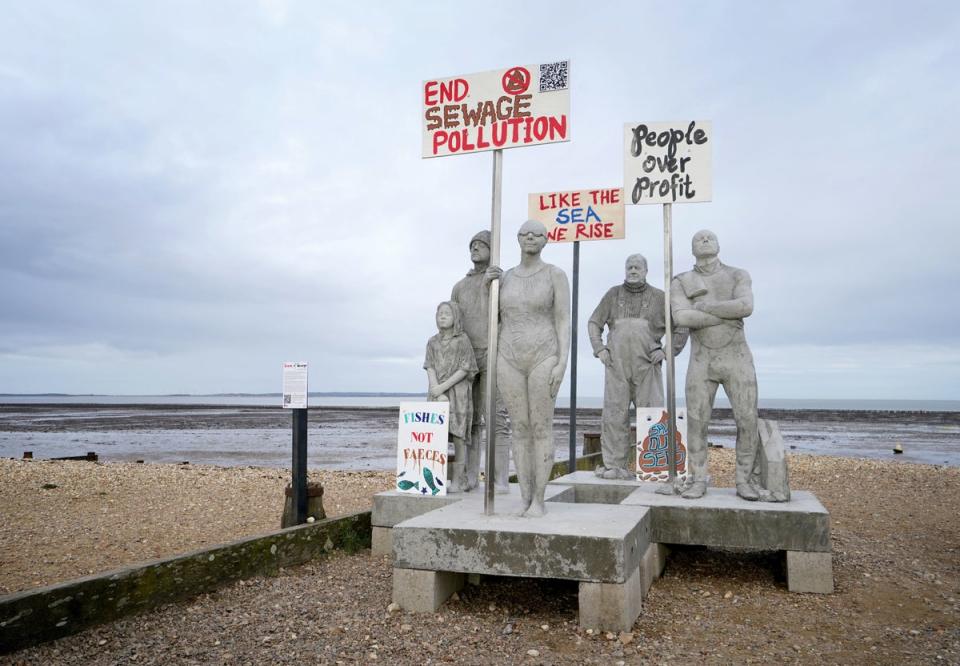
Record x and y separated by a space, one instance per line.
896 555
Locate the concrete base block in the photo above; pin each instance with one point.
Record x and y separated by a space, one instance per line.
720 518
652 564
611 606
391 507
420 591
810 572
587 542
381 541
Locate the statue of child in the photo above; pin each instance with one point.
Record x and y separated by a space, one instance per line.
451 365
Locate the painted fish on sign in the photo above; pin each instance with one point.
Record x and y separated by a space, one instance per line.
422 448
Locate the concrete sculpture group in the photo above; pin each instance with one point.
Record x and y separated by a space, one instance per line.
708 304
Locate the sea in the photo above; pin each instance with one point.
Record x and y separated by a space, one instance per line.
394 400
357 431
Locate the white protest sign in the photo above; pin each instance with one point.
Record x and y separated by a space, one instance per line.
422 448
294 385
522 105
652 441
579 215
668 162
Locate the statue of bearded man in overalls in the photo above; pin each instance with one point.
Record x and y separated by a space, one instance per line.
633 313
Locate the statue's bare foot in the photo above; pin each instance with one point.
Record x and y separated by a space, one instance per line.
524 507
536 510
697 490
666 488
747 492
600 470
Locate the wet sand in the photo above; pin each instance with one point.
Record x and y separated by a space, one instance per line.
359 438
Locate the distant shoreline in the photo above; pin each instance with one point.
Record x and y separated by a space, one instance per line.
374 400
782 414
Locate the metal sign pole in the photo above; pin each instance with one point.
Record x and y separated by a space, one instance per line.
668 346
573 358
494 314
299 472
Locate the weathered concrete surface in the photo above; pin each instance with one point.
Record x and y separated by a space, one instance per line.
810 572
34 616
421 591
652 564
381 541
722 519
599 543
611 606
392 506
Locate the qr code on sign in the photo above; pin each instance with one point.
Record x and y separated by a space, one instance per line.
553 76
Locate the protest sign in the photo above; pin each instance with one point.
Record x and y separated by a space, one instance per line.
668 162
521 105
422 448
579 215
294 385
652 439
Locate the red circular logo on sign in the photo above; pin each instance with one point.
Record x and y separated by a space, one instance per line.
516 80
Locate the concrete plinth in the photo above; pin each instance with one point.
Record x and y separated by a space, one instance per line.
809 572
719 518
381 541
800 527
392 506
420 591
611 606
652 564
586 542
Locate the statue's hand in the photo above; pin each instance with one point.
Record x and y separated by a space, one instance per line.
657 356
605 358
492 273
434 394
556 378
442 398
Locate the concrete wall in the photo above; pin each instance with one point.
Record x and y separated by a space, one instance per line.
34 616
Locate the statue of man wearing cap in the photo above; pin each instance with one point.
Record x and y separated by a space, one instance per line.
472 294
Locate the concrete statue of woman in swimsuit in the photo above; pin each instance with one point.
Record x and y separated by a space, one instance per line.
534 345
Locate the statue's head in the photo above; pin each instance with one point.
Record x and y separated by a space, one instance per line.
448 316
532 237
635 269
480 247
705 244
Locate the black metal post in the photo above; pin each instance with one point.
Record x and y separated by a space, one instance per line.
299 481
573 357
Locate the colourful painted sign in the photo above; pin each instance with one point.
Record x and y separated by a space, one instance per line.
522 105
668 162
422 448
579 215
653 438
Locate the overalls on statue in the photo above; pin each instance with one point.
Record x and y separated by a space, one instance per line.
631 378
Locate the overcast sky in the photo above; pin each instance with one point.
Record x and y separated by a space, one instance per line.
192 193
